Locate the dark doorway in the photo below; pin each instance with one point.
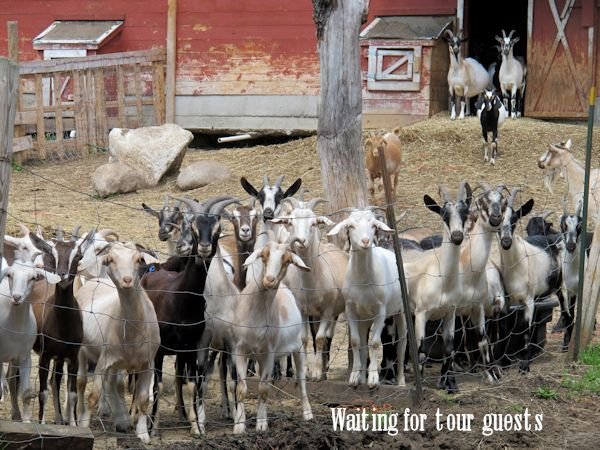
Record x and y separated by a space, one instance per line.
484 20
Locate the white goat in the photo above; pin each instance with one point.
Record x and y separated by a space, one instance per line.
372 293
18 328
318 293
511 74
268 324
559 159
120 333
466 77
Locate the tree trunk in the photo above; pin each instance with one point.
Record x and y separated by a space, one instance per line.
339 135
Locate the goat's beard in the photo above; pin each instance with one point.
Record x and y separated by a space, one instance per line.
550 179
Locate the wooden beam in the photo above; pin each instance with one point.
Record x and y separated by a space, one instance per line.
17 435
22 144
41 131
9 81
137 76
13 41
171 60
158 92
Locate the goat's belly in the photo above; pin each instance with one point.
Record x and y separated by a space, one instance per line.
15 341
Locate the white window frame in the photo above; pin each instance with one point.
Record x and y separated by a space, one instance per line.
380 79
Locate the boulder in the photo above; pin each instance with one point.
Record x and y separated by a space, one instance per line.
151 151
116 178
201 173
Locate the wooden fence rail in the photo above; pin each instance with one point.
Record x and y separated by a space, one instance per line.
68 106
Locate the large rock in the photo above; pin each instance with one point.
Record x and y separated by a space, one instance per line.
151 151
116 178
201 173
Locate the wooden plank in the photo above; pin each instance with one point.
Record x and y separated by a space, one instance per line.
40 126
100 109
138 94
171 59
56 90
81 122
13 40
158 93
90 102
92 62
21 144
121 97
333 393
9 80
17 435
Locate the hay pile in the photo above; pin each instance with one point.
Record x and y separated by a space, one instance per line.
435 151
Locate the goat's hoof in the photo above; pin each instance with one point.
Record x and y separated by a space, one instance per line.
239 428
524 367
308 415
262 425
354 378
123 427
493 162
401 382
373 381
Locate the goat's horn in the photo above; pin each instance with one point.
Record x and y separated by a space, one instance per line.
449 32
293 202
444 193
75 233
513 194
39 231
511 33
166 200
462 190
503 33
266 181
302 192
108 232
579 210
485 186
313 202
58 231
194 206
24 229
547 214
278 181
218 207
375 208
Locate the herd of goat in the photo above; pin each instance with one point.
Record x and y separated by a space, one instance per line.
248 301
252 298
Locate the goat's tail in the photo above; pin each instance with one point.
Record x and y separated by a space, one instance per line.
397 130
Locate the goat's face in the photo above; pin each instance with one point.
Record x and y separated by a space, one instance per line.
570 226
302 223
206 229
509 222
453 213
276 258
169 220
506 42
270 196
123 262
489 99
362 227
244 219
491 206
552 158
185 243
454 44
22 274
375 144
66 251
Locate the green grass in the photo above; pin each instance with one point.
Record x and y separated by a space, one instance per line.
16 167
590 380
546 393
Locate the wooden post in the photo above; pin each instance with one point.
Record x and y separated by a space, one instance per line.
339 135
171 60
13 41
9 80
410 328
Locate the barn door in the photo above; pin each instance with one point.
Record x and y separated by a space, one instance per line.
560 50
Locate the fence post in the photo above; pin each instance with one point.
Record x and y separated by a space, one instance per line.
9 80
171 60
584 323
391 218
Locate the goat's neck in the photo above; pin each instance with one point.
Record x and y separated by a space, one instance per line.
574 173
449 262
64 293
475 251
509 59
244 249
514 259
172 247
362 263
258 303
132 301
455 60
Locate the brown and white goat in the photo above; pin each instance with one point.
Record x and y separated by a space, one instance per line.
390 143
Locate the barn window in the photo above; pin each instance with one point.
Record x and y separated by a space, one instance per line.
394 68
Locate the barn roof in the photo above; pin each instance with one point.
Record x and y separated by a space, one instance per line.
407 27
90 33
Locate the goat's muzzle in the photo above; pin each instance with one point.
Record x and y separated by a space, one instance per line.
204 250
163 235
570 246
245 235
126 282
457 237
506 242
365 242
268 214
495 219
270 282
541 164
17 299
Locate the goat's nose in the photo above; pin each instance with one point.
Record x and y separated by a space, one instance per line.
269 280
365 242
541 164
457 237
268 213
245 229
17 298
506 242
127 280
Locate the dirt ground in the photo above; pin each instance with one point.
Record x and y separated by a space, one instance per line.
435 151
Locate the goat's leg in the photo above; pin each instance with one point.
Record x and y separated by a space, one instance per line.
82 373
447 379
463 98
401 341
71 404
363 333
55 383
3 383
375 349
44 368
223 365
122 420
320 343
142 389
179 381
239 419
494 146
289 370
266 363
485 144
420 324
15 411
568 320
452 105
191 373
484 346
527 350
202 377
353 326
513 102
25 391
300 361
156 389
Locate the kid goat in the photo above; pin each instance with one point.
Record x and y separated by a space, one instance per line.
492 115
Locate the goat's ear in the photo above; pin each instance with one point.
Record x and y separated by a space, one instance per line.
468 194
40 243
525 208
515 40
248 187
322 220
150 211
432 205
148 258
293 188
280 220
335 230
383 227
297 261
368 144
499 39
568 144
253 257
52 278
3 273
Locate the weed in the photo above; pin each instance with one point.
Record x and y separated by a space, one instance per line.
546 393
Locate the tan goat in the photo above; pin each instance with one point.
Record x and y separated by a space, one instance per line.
390 142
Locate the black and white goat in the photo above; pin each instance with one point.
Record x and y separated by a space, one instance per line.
492 114
511 74
466 76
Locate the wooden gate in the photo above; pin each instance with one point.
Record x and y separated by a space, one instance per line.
560 55
67 107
